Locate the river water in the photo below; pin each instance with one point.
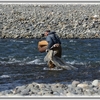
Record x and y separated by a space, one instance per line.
21 62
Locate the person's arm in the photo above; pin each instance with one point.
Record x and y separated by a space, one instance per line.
50 42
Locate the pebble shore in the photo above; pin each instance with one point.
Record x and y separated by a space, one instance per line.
56 89
68 20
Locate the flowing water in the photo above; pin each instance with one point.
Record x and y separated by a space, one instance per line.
21 62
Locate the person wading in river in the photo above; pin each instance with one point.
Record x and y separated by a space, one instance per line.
54 44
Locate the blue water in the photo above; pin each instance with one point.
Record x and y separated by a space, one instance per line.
22 63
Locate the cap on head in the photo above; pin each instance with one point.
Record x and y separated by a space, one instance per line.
47 31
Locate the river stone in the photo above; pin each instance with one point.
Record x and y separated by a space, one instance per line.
78 90
99 92
16 36
87 92
18 89
70 94
6 92
83 85
25 91
42 86
43 92
75 83
30 86
56 93
72 90
56 89
96 89
95 83
64 86
48 85
35 92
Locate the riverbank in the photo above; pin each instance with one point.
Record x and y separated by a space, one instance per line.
75 88
69 20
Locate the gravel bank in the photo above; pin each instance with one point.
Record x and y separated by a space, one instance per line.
69 20
75 88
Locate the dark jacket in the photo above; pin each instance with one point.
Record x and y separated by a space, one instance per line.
52 39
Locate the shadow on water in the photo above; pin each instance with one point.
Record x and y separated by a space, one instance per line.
26 74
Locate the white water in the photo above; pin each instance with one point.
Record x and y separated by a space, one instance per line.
4 76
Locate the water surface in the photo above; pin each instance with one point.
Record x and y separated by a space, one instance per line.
21 62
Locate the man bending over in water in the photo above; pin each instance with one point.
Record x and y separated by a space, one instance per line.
54 44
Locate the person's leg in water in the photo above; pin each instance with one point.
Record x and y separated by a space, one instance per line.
58 54
51 65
